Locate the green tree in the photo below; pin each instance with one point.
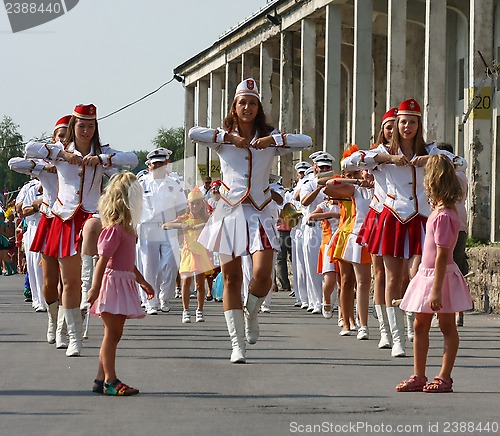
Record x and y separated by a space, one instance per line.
11 145
141 155
173 139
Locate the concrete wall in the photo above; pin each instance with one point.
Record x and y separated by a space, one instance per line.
485 283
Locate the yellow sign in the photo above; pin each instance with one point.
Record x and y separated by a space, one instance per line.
215 169
482 103
202 170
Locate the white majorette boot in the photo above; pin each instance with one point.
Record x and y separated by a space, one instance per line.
75 331
383 325
410 331
61 331
51 326
397 325
236 328
88 263
251 310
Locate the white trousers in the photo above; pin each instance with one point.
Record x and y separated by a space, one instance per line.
160 264
299 264
34 268
312 242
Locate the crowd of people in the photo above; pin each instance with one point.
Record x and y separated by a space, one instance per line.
118 246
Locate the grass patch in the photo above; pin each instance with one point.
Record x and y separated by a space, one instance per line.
472 242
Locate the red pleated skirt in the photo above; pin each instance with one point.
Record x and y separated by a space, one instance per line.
393 238
64 236
368 228
41 234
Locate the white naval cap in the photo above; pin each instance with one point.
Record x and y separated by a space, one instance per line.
312 156
159 154
247 87
324 158
141 174
274 178
302 166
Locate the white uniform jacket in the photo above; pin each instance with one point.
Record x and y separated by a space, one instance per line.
36 168
162 200
32 194
245 171
308 187
24 189
79 186
406 197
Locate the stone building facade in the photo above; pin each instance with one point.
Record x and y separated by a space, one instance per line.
331 68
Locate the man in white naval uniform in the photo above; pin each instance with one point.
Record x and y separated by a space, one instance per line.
296 236
311 196
19 210
159 251
31 212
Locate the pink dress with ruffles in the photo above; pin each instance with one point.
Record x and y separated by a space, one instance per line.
441 231
118 289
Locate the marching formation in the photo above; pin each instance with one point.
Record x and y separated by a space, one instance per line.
101 241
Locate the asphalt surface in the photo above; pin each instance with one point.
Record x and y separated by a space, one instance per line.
300 378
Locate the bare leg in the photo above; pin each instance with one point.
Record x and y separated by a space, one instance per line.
346 293
263 265
90 235
233 278
329 282
70 268
379 280
421 342
451 342
395 268
363 279
186 291
113 330
50 269
200 285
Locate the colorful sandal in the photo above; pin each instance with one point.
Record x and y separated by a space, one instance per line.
118 388
439 386
98 387
414 384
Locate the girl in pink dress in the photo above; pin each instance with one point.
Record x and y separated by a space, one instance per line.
113 295
438 285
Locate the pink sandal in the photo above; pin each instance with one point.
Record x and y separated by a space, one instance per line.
415 383
439 386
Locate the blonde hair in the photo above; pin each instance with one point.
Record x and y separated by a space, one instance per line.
121 203
441 183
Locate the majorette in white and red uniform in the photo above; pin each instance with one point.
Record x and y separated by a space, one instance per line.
38 168
245 188
79 187
400 231
380 186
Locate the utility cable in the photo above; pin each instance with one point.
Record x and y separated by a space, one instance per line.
138 100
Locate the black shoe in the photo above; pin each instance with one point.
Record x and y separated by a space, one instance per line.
98 387
28 300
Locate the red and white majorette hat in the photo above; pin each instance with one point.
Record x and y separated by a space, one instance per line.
409 107
85 112
62 122
247 87
390 115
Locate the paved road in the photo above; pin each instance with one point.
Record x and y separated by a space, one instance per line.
301 378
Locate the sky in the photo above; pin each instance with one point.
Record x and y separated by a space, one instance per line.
110 53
